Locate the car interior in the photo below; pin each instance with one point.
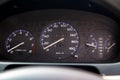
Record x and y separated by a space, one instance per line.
59 40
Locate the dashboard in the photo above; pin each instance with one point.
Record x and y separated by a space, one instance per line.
59 36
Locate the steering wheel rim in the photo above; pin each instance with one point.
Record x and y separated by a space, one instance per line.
47 73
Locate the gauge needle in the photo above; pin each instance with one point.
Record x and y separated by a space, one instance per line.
16 46
92 45
110 47
61 39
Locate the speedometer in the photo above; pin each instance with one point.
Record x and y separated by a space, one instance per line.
60 40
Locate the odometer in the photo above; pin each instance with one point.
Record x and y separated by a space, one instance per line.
60 40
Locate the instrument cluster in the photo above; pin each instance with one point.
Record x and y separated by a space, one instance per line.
59 36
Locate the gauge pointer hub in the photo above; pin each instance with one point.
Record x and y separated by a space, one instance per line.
61 39
16 46
91 45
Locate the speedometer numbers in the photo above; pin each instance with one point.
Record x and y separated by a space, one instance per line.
20 41
60 40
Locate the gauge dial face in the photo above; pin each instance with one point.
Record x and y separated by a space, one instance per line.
101 45
60 40
20 41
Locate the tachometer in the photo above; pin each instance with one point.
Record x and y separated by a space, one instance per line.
20 41
60 40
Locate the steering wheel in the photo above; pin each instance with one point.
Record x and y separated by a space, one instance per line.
48 73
